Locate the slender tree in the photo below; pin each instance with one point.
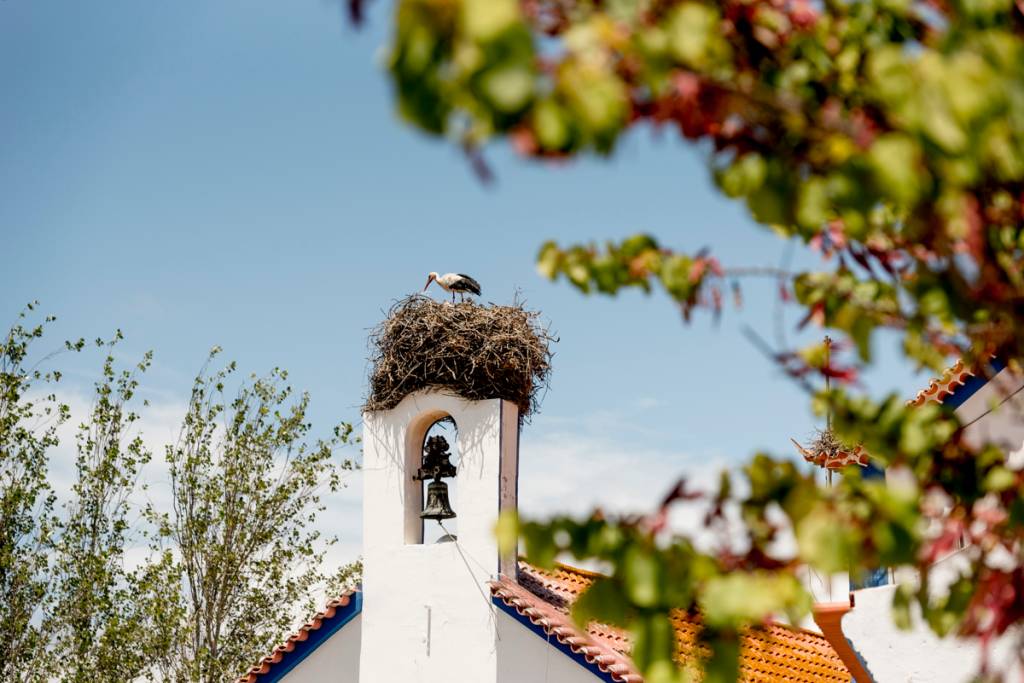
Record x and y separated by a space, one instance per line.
28 429
246 490
98 614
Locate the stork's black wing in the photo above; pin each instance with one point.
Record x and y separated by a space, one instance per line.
466 284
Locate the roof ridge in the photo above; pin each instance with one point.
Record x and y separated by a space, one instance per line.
589 573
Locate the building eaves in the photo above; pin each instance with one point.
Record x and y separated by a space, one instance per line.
944 385
334 615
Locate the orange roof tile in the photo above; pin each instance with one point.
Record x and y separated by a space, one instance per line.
941 387
263 666
770 653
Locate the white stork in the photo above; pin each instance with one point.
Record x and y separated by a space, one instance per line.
454 282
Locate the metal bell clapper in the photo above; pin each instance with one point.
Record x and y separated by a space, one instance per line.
436 464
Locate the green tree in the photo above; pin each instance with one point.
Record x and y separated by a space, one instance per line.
233 561
246 490
29 420
97 623
347 576
886 135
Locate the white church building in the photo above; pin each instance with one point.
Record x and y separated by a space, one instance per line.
457 610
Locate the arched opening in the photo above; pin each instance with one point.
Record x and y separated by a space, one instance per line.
424 427
445 530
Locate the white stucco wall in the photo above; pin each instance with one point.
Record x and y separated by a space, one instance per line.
336 660
427 614
917 655
525 657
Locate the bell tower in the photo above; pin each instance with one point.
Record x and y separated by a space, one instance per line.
427 605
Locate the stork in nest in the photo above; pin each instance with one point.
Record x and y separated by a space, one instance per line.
454 282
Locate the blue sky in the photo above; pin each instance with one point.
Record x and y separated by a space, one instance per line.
233 173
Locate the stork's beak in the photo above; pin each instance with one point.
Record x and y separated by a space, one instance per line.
429 280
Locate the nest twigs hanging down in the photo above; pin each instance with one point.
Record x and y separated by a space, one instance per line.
478 352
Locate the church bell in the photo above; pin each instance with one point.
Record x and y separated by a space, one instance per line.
437 506
436 464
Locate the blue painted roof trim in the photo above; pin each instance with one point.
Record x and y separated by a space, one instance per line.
860 658
963 392
328 628
562 647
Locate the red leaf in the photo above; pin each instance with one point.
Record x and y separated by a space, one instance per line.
697 270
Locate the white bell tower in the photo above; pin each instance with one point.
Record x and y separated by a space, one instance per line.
427 607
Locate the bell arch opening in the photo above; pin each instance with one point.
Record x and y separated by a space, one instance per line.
434 431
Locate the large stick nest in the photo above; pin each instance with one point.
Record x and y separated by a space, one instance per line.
477 352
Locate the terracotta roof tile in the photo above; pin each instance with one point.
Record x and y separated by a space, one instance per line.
771 653
275 656
941 387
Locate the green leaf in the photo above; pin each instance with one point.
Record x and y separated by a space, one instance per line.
812 205
642 576
695 36
485 20
551 125
506 530
744 176
723 666
654 643
769 204
740 598
603 602
901 608
825 542
1000 479
549 260
896 162
598 98
508 87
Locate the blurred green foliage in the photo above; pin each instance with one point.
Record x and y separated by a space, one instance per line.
887 135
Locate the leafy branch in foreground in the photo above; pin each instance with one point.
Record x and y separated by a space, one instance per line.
749 574
890 134
889 137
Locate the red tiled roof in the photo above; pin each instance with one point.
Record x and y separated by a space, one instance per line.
941 387
771 653
252 676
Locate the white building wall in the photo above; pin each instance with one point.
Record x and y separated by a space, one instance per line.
427 615
336 660
525 657
918 655
997 413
